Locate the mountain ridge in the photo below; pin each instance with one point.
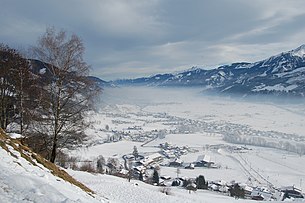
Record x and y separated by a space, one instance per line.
281 74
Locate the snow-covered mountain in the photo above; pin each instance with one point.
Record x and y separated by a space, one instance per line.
282 74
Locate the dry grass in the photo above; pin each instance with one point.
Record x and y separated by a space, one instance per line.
30 156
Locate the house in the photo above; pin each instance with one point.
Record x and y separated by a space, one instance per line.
214 187
261 194
122 173
248 190
203 161
190 166
291 192
165 177
219 185
153 158
140 168
177 182
176 162
168 154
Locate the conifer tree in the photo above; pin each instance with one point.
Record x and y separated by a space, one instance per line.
155 177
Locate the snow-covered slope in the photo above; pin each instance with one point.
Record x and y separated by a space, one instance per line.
282 74
120 190
23 179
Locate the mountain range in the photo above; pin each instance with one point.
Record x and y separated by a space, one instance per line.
282 74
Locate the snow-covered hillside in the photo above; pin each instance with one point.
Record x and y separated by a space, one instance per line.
23 179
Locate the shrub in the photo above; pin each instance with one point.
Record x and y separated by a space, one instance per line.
100 164
191 187
66 161
237 191
88 167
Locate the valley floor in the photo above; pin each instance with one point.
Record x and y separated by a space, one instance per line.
149 118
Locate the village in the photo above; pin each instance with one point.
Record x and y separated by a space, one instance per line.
143 167
157 149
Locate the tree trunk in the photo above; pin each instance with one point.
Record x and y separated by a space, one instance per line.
21 105
56 122
54 147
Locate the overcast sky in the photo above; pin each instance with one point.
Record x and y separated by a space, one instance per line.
131 38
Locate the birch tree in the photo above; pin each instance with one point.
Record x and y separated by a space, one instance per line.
67 93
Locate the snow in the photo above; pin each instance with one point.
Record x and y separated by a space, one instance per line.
42 71
300 51
20 181
278 87
120 190
263 74
107 150
168 109
187 104
221 73
15 135
203 121
299 70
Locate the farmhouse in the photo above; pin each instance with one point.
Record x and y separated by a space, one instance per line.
139 169
176 162
165 177
203 161
261 194
291 192
190 166
153 158
219 185
168 154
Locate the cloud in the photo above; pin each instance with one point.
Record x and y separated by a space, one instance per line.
129 38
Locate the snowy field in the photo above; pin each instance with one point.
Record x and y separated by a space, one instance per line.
206 125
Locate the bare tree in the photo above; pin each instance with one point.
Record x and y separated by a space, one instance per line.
67 93
178 172
113 164
7 56
100 164
25 84
16 87
135 152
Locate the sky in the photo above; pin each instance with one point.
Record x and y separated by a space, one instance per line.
134 38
